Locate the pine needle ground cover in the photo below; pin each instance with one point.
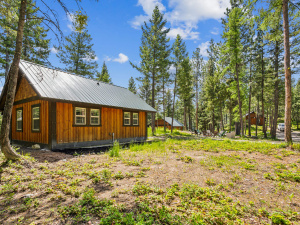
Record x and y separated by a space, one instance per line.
172 182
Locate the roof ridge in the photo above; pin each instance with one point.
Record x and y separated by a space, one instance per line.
73 74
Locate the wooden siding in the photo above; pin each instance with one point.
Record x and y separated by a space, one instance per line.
24 90
27 134
111 122
160 123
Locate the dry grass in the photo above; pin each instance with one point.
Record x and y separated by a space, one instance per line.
256 183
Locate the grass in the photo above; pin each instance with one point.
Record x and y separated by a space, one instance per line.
173 182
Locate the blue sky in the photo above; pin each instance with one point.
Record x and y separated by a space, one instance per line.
115 28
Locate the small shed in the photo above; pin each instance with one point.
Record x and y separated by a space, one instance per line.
168 121
60 110
253 119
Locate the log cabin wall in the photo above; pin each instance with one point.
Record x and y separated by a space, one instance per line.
111 122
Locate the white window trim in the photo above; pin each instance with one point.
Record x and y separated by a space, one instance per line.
137 119
82 116
19 119
36 118
95 124
127 119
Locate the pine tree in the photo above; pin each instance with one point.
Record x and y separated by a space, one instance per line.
77 54
179 54
198 65
35 42
154 53
104 75
132 86
233 48
185 87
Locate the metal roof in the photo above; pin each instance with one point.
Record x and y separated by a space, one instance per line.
59 85
176 123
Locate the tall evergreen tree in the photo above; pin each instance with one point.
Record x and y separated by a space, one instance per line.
104 75
132 86
233 48
77 54
35 42
154 53
179 54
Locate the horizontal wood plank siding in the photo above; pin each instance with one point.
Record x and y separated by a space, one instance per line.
111 122
27 134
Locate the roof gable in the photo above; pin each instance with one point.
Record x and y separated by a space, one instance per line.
59 85
176 123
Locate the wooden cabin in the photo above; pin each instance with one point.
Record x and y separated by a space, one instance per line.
168 121
59 110
253 119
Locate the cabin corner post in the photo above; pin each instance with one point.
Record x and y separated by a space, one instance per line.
52 125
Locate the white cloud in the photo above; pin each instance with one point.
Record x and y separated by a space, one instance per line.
121 59
185 33
54 50
71 19
203 48
196 10
184 15
90 58
215 31
148 7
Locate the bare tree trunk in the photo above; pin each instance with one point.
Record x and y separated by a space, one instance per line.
222 122
174 101
12 84
164 110
184 116
262 92
213 120
230 117
153 102
257 116
197 104
288 74
249 108
239 98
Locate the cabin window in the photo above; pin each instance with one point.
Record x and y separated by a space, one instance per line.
80 116
20 119
127 118
95 117
35 110
135 119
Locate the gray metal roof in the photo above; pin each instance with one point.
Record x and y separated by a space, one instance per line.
176 123
59 85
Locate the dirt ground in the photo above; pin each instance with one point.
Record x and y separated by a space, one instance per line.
159 168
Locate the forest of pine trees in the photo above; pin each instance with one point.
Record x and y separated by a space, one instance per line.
249 70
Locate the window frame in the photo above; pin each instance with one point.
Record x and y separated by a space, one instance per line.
32 119
19 109
88 109
85 116
138 119
90 119
131 118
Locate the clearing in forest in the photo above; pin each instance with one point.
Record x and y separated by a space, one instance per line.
172 182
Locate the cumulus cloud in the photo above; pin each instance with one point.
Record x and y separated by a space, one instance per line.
54 50
184 15
203 48
185 33
121 59
148 6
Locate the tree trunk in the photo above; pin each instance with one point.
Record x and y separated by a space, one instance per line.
197 103
239 98
7 63
164 111
184 116
12 84
257 116
153 102
249 107
230 117
222 122
262 92
288 75
213 120
174 101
